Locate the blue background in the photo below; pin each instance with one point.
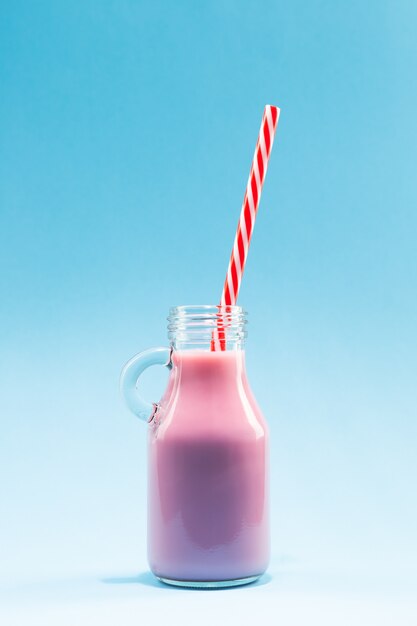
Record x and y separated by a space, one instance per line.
127 131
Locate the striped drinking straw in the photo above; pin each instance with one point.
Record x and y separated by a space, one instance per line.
247 217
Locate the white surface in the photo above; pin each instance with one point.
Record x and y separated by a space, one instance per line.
288 595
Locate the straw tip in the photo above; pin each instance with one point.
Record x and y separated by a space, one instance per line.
272 112
272 106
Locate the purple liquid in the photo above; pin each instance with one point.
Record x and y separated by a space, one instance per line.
208 502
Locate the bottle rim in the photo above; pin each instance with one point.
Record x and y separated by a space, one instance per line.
183 308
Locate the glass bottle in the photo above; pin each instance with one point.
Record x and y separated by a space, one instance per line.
208 463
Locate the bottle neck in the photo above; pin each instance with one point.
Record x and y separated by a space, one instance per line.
209 328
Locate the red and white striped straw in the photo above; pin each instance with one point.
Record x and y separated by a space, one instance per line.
250 205
248 213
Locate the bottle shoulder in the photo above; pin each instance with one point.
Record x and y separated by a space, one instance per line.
234 416
208 395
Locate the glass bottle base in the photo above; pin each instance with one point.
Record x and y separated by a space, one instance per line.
209 584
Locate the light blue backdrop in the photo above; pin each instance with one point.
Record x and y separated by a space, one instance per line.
127 130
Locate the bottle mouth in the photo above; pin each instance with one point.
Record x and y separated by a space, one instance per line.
195 325
206 309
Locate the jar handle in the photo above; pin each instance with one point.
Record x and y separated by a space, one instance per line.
129 380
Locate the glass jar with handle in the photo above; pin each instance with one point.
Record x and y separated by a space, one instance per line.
208 463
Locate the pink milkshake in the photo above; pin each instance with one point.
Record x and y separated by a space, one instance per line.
208 467
208 499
